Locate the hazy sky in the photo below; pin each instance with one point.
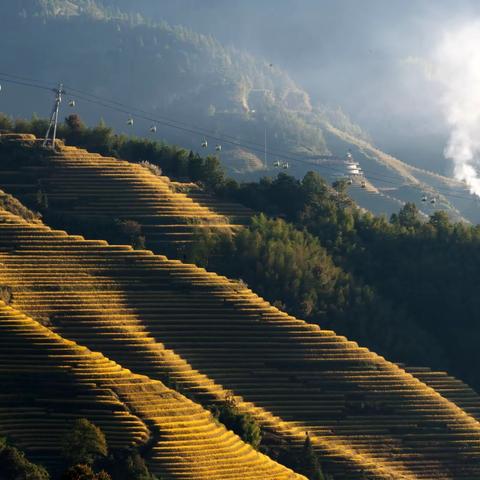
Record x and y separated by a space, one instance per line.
369 56
377 59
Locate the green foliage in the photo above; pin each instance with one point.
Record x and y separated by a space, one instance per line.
132 230
328 214
393 286
156 156
309 462
408 217
304 461
6 124
15 466
243 424
84 444
84 472
412 291
287 265
6 294
12 205
208 247
127 465
291 269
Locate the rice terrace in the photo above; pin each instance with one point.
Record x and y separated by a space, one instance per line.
215 265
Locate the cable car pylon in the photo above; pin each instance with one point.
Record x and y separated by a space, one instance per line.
52 126
6 78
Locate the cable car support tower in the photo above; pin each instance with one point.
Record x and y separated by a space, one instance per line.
52 127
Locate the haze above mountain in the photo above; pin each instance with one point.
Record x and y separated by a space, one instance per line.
241 70
366 57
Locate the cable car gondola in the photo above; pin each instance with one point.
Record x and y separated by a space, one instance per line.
153 129
130 122
204 144
72 104
218 148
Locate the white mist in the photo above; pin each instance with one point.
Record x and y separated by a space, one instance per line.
456 65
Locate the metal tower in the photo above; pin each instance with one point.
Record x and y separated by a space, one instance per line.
52 127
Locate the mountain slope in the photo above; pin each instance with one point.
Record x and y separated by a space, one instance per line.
184 441
451 388
86 187
197 88
44 390
165 319
403 182
89 194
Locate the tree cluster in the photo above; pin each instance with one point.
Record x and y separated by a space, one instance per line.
159 157
413 281
243 424
404 286
85 456
14 465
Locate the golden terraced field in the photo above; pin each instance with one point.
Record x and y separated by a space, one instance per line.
154 319
86 185
182 440
162 318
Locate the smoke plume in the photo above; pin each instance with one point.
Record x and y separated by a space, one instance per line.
457 67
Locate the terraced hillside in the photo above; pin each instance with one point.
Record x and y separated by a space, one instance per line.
47 382
451 388
366 417
82 185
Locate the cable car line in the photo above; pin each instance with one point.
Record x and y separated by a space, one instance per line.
25 84
25 81
246 144
130 112
206 133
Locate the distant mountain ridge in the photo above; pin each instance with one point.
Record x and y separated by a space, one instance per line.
191 79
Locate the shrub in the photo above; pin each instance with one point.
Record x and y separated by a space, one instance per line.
12 205
243 424
84 472
42 199
139 243
84 444
15 466
132 231
155 169
310 465
127 465
75 123
6 294
304 461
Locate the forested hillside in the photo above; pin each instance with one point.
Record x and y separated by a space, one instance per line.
411 283
206 276
184 80
403 286
142 345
